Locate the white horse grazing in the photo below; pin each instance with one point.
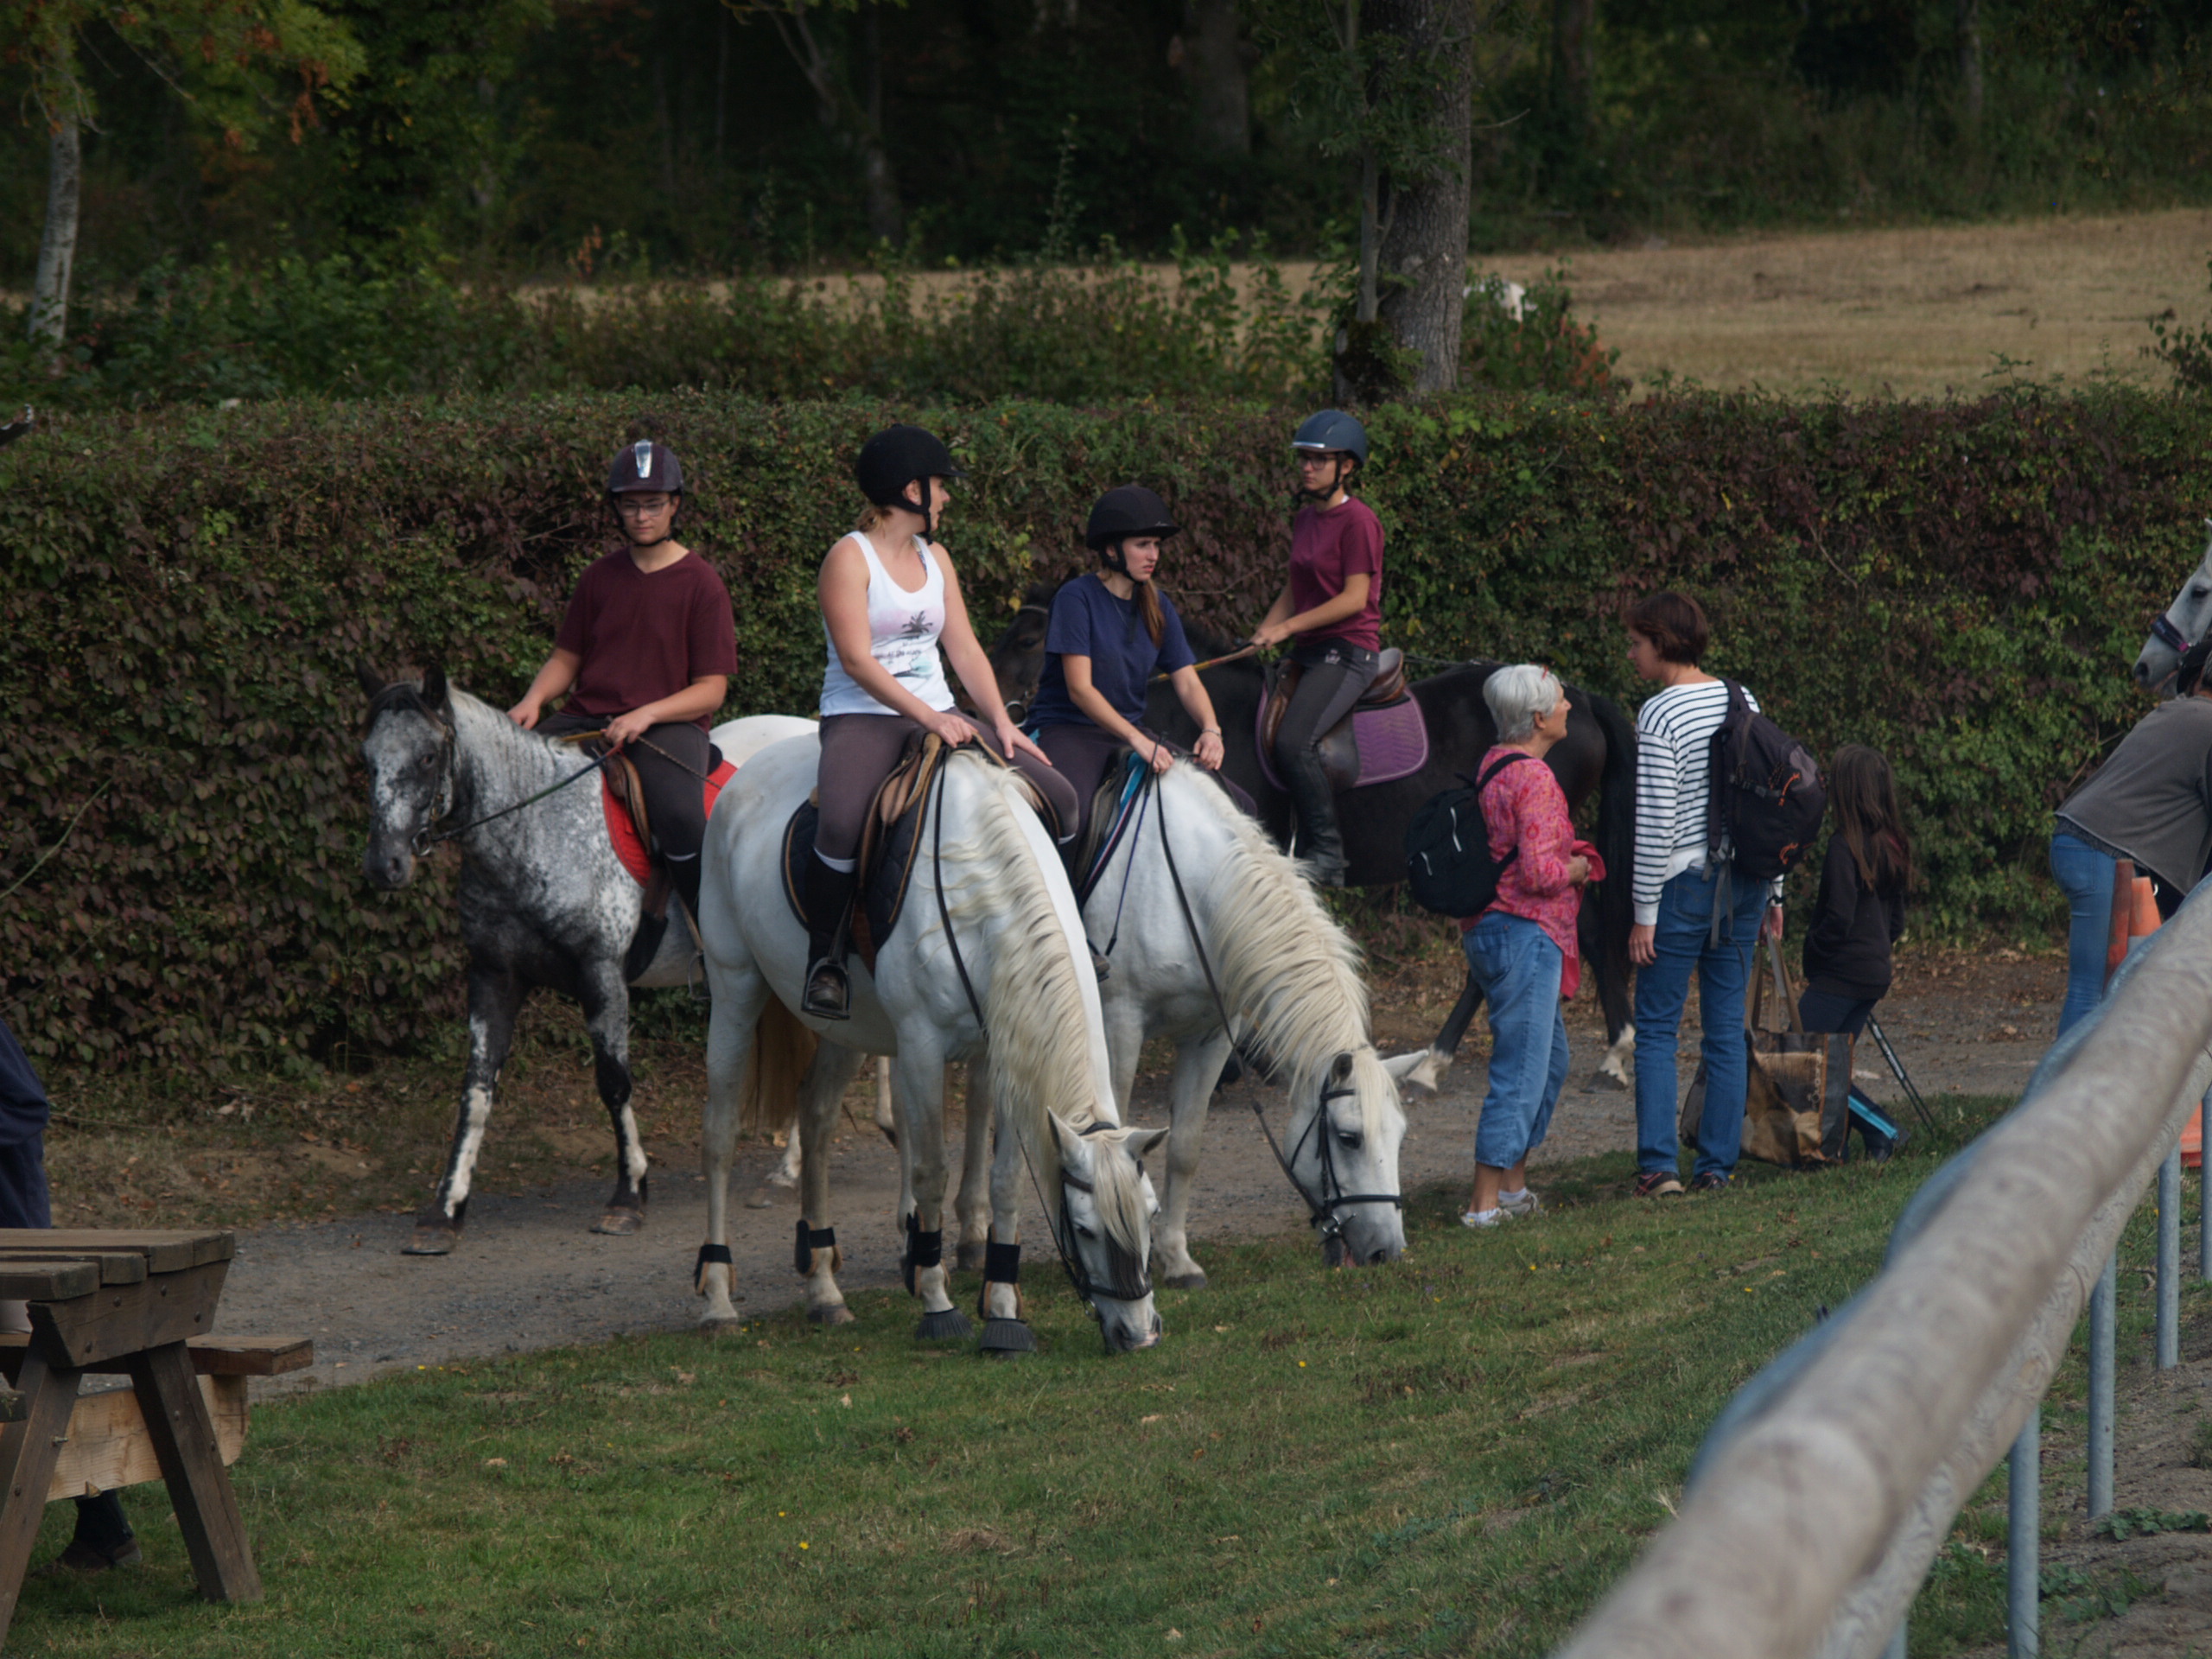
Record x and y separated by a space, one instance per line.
2180 626
983 863
1289 977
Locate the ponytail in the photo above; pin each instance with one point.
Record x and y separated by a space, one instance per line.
1155 624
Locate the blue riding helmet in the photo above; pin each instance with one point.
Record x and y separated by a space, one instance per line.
1334 432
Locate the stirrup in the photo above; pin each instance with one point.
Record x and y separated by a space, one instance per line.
829 994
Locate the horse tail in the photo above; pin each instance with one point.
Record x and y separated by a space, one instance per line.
1616 845
782 1051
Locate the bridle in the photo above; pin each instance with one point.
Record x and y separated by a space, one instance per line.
1062 1228
429 837
2163 631
1324 1207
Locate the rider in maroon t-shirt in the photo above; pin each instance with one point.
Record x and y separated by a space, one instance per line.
1333 606
646 652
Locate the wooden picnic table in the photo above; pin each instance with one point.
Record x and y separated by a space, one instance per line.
139 1305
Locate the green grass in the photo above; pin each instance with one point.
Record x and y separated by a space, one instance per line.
1453 1455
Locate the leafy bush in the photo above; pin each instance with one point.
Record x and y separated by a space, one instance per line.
183 596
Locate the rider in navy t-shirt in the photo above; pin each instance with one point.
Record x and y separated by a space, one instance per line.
1111 632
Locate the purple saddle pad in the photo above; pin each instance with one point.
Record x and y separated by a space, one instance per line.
1392 743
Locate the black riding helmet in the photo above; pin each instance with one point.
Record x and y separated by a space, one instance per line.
1129 510
898 456
646 466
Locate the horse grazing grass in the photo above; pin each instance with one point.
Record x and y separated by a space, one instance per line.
985 864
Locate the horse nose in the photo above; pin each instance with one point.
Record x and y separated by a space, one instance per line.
389 870
2142 672
1380 1255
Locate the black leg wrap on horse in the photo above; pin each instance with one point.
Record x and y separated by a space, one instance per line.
809 1240
1001 1263
710 1254
923 1250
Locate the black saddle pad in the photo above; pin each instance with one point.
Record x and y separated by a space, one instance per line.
883 883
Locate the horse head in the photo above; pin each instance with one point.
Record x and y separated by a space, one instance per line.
1344 1156
1107 1205
409 749
2178 627
1017 656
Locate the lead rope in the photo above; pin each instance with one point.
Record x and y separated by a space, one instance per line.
425 842
1078 1281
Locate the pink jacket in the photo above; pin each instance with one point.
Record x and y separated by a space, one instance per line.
1524 807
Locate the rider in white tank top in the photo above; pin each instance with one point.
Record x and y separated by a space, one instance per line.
903 628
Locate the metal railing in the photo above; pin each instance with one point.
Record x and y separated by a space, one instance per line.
1830 1481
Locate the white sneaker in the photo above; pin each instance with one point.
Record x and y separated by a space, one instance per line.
1523 1203
1485 1217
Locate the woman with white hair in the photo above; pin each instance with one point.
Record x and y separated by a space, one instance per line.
1522 949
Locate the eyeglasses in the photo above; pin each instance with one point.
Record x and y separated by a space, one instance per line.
642 506
1314 463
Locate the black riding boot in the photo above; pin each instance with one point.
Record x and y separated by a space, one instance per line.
829 994
1321 843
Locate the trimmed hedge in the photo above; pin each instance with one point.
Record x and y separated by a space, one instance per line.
183 597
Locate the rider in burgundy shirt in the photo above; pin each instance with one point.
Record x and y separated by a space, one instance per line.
645 653
1333 606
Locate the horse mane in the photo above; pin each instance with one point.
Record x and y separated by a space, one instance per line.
1042 1064
1280 957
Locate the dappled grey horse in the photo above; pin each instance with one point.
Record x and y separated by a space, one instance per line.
544 901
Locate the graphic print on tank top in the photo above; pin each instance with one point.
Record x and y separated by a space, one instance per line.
903 627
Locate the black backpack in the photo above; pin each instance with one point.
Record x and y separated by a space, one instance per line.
1766 797
1448 862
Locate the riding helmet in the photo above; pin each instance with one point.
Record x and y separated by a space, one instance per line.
642 465
1333 432
896 457
1129 510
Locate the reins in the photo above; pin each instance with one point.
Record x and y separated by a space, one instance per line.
427 839
1080 1280
1324 1209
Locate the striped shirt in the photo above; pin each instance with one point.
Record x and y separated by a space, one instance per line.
1674 754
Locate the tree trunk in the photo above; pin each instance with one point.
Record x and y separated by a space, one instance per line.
57 248
886 215
1213 70
1574 50
1424 234
1969 27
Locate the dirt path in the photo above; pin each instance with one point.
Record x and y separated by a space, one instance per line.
527 1275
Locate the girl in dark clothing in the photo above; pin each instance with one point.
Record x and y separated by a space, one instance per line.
1861 911
104 1538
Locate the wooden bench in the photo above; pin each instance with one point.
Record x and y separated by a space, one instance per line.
139 1304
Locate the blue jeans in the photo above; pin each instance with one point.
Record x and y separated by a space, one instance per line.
1662 990
2085 876
1518 967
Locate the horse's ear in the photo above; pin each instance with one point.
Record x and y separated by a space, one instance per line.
434 687
1142 1141
1340 1070
372 682
1072 1144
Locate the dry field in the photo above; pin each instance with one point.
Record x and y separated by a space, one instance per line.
1910 313
1915 312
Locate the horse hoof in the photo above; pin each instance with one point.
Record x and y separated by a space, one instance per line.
1194 1280
620 1223
721 1327
1006 1339
970 1259
431 1240
1603 1082
951 1325
830 1314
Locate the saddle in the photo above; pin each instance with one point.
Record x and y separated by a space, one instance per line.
888 837
629 826
1383 737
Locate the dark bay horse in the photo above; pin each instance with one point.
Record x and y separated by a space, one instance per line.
1597 758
